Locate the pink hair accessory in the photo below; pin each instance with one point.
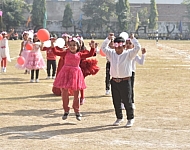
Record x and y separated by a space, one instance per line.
65 34
80 38
4 32
118 44
74 39
128 39
31 31
25 32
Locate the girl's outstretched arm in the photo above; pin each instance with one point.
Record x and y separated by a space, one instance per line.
57 52
91 52
21 48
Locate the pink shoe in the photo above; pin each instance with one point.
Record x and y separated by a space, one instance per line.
82 101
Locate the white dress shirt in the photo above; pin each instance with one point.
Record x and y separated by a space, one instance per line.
139 60
121 65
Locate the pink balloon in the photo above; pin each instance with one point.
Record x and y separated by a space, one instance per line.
1 37
29 46
43 35
20 60
102 53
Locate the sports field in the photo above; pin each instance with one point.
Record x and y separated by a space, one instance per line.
30 115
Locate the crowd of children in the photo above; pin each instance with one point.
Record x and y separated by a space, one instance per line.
73 67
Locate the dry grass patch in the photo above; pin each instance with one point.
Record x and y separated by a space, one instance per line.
30 116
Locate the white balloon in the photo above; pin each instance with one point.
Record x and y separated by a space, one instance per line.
60 42
124 35
47 43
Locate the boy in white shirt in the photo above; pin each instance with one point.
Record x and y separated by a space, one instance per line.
121 72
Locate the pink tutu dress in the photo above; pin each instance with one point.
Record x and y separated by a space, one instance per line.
35 59
24 54
71 76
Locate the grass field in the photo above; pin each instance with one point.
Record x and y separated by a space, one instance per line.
30 115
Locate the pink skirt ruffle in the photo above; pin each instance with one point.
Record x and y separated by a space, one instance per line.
70 78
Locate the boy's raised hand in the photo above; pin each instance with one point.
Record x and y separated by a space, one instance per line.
143 50
111 36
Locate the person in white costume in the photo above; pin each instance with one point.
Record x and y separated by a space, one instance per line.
4 50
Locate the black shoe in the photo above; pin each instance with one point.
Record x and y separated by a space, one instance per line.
78 116
64 117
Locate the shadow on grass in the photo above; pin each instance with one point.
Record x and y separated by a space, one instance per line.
12 79
39 97
30 131
49 113
31 112
97 96
7 81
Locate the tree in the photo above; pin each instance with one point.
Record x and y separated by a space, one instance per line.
38 13
1 24
137 22
13 11
143 16
98 13
187 3
123 13
153 18
67 17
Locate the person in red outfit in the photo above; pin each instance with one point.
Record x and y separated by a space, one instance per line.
51 59
88 66
71 76
55 90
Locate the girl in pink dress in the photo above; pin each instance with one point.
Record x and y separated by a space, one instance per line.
23 51
70 76
35 61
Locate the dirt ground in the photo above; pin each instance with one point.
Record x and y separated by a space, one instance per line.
30 115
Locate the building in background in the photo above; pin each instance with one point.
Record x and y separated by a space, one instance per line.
171 17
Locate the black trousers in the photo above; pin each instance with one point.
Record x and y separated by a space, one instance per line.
122 91
132 86
32 74
49 64
107 80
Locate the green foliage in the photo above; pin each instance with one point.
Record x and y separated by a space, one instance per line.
153 18
186 2
38 13
98 13
123 13
1 24
67 17
137 22
143 16
13 11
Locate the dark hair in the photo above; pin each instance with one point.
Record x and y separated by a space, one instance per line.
82 44
36 41
53 35
118 40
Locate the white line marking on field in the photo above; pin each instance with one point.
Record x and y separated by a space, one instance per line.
14 58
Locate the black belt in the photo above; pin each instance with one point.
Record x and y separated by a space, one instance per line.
120 79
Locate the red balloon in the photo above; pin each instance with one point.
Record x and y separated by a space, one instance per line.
20 60
1 37
102 53
43 35
29 46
